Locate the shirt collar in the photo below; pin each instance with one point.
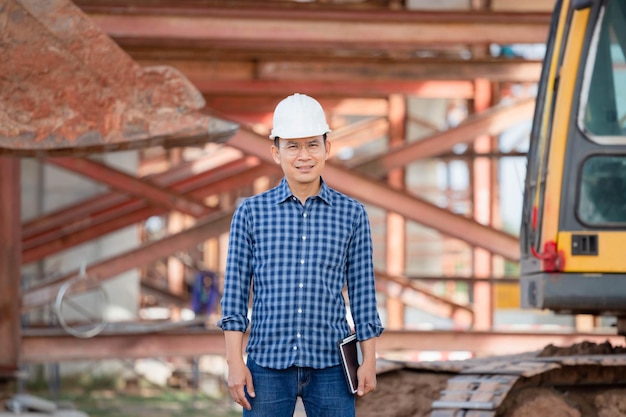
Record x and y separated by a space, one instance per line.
283 192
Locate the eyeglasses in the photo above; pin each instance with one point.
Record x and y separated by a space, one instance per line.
314 147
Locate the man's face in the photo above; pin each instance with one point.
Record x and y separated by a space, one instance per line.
302 159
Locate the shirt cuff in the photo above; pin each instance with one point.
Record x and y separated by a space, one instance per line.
367 331
236 323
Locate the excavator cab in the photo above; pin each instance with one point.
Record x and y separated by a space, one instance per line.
573 232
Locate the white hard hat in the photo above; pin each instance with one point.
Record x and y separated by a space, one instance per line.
299 116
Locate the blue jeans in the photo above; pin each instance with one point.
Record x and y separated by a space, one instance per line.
324 392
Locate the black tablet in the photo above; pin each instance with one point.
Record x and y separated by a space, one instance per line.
349 350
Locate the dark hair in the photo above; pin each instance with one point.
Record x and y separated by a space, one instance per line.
277 139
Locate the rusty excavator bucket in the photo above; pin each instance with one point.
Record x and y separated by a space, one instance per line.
67 89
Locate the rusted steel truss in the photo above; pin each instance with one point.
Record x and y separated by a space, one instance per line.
103 214
67 89
209 227
231 49
143 189
112 211
492 122
254 28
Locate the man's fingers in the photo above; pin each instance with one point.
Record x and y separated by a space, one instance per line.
250 388
240 381
365 388
360 390
239 396
244 402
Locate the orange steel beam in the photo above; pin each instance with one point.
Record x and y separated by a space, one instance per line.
462 315
413 72
209 227
103 214
424 70
128 213
354 88
55 346
256 105
358 134
491 122
272 28
395 236
482 193
377 193
163 295
139 188
96 226
382 5
67 217
10 253
186 176
195 171
63 234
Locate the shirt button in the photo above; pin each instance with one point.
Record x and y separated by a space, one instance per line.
301 285
302 261
298 335
303 237
299 311
295 348
304 215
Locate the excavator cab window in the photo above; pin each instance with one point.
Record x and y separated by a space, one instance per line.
602 200
604 116
602 193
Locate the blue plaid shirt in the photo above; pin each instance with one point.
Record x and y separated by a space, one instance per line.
301 257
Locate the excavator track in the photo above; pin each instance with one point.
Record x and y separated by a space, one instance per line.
481 391
586 380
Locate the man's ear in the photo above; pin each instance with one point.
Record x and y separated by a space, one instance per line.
275 154
327 146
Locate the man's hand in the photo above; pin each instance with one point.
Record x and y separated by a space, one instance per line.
239 376
366 375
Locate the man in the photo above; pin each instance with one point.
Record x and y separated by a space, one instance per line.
298 245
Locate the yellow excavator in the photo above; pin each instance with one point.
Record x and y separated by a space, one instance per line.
573 242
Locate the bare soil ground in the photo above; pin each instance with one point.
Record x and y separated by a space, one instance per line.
404 393
581 391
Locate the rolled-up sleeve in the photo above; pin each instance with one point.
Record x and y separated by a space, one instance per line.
238 276
361 282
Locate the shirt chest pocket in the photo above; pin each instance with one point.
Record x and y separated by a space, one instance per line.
330 252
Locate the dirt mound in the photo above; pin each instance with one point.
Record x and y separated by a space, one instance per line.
583 348
402 393
534 402
571 402
585 385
